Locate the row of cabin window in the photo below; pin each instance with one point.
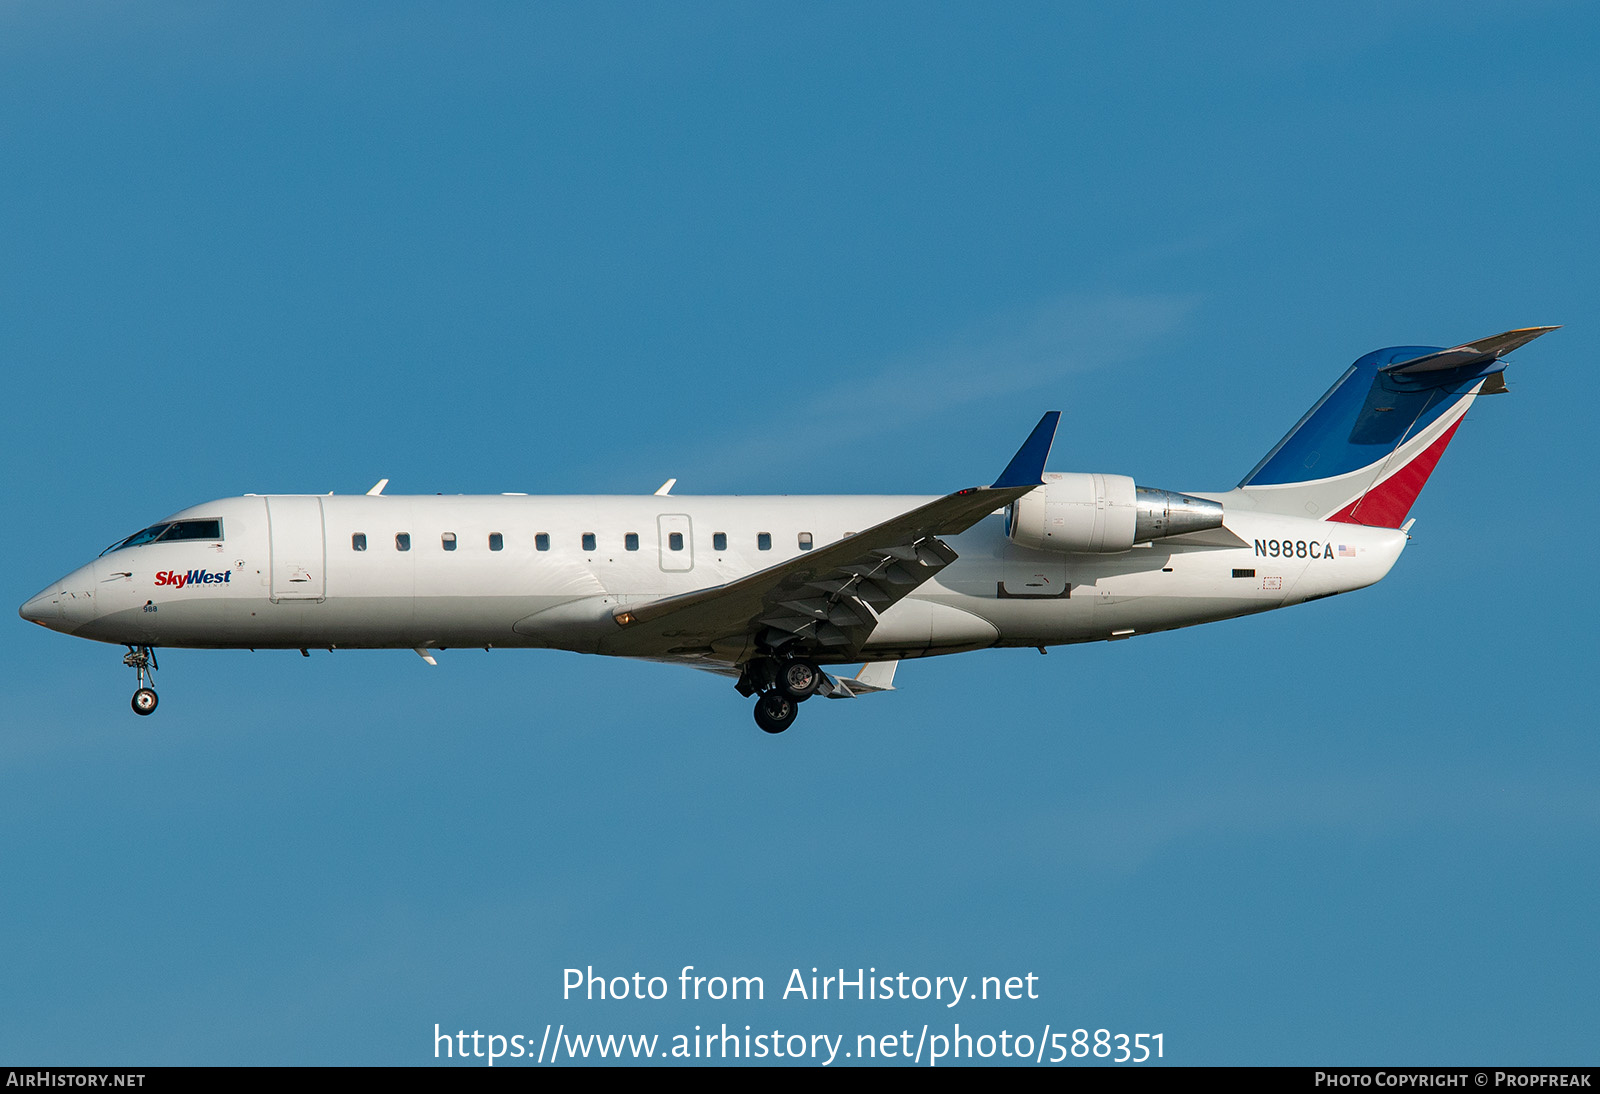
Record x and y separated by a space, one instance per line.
541 541
402 541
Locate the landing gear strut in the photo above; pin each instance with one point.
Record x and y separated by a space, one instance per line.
142 659
780 687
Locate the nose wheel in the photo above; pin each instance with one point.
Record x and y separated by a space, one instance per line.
142 659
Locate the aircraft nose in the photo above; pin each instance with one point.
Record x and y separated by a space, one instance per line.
42 609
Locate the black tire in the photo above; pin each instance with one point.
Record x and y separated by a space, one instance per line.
776 712
144 702
799 679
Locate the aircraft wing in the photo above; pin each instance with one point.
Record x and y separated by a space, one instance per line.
827 601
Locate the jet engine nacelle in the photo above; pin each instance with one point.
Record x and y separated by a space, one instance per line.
1103 513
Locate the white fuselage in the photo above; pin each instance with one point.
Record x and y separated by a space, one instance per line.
287 573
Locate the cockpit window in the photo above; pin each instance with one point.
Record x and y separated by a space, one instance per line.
170 532
138 538
193 529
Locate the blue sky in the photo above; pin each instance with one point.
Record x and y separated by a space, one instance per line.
820 248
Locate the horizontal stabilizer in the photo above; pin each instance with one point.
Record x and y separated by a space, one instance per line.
1480 352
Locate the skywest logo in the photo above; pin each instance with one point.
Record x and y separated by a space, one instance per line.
193 577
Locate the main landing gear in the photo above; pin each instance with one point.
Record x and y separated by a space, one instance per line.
143 660
780 686
776 712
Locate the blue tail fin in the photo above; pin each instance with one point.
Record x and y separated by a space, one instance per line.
1364 451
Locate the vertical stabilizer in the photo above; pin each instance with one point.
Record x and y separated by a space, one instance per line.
1362 453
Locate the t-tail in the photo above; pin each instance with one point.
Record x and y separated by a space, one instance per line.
1362 454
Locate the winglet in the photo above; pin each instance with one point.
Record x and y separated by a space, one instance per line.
878 675
1027 466
874 676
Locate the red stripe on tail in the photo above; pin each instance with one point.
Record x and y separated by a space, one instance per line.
1386 504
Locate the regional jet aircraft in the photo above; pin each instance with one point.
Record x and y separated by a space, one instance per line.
778 592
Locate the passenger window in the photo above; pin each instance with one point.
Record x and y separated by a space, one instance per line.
448 541
402 541
631 541
497 542
588 541
675 541
358 542
805 541
719 541
541 542
763 541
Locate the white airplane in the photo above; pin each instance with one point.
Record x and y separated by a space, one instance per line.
777 592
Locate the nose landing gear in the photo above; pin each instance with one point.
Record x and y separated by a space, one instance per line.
142 659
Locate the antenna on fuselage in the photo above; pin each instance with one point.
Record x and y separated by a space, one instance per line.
666 488
378 488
